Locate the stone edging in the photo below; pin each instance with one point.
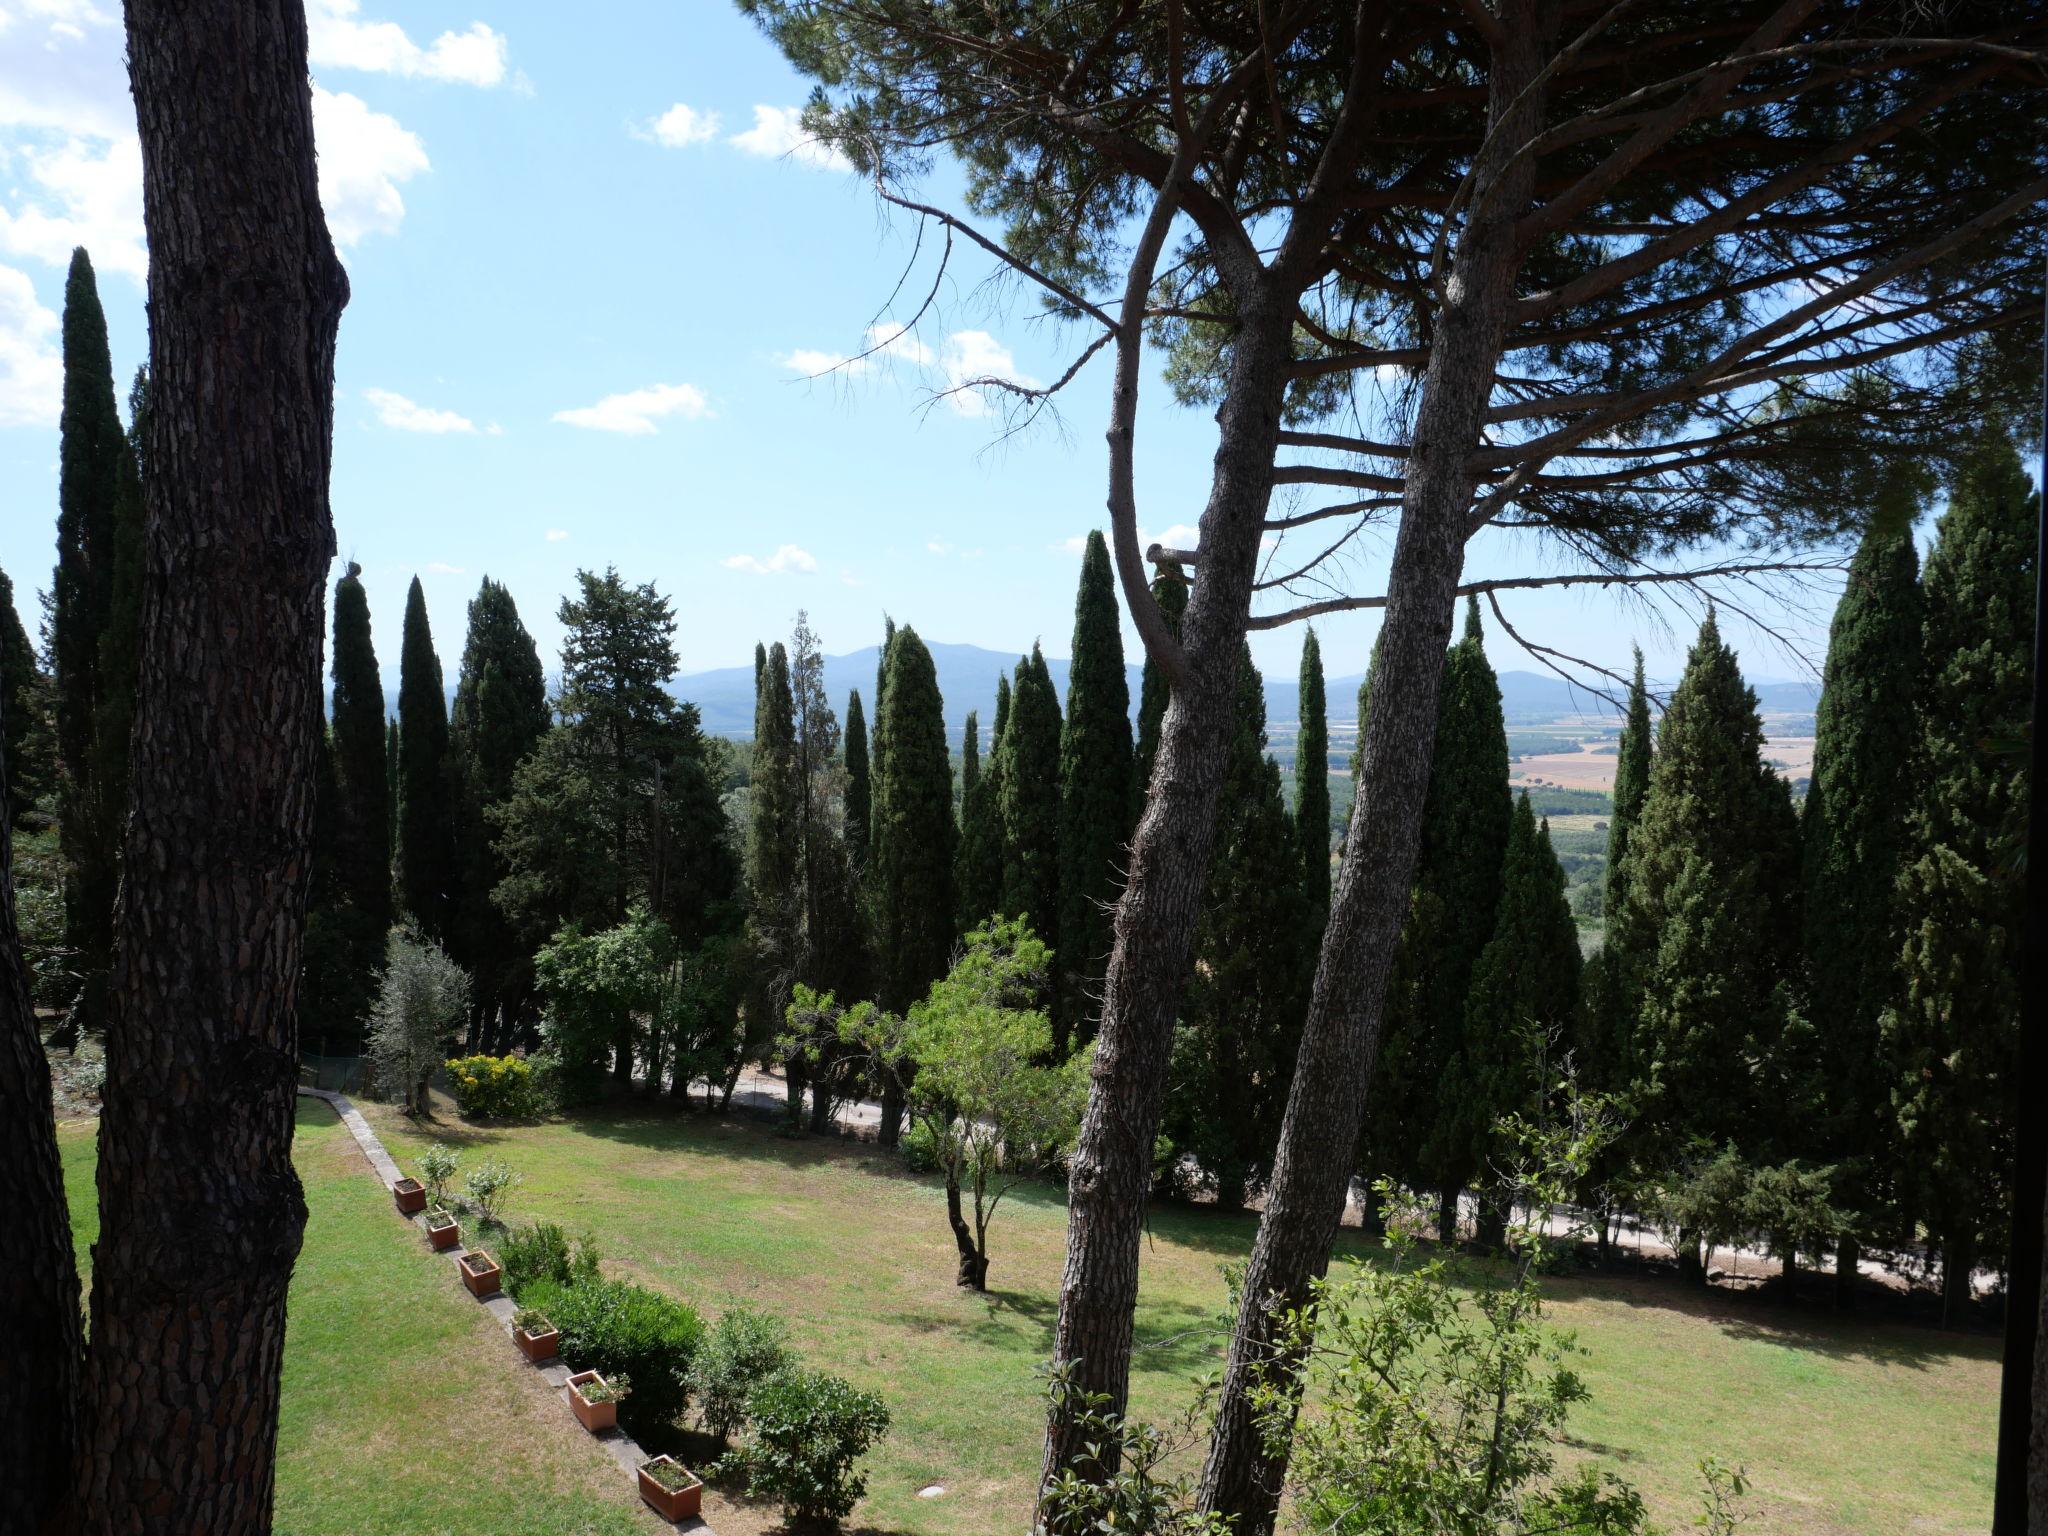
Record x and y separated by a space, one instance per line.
624 1449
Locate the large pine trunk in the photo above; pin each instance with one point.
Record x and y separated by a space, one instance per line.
39 1281
1154 925
1241 1478
201 1212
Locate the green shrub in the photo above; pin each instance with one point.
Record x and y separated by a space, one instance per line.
624 1329
496 1088
542 1252
919 1148
742 1349
489 1183
437 1167
808 1430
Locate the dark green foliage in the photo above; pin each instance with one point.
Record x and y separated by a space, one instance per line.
1954 1030
911 857
1854 839
541 1253
1095 788
1030 797
740 1351
1606 1046
1631 784
981 824
426 811
1170 591
500 715
24 726
859 791
1712 911
875 735
1240 1024
1524 994
1312 789
1415 1132
772 794
808 1431
625 1330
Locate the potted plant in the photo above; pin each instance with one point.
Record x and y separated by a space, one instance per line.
480 1273
595 1401
537 1338
411 1196
671 1489
442 1231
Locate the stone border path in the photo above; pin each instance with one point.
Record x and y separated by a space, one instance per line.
624 1449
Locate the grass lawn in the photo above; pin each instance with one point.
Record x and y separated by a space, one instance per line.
406 1409
1844 1427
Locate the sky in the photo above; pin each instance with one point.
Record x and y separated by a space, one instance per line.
594 269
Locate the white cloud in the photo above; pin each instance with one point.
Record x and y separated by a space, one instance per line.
1179 536
364 155
778 133
635 412
87 192
339 39
403 415
786 559
682 126
31 370
442 568
556 535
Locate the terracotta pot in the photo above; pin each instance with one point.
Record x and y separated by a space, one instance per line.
480 1273
444 1238
537 1346
411 1196
595 1417
672 1504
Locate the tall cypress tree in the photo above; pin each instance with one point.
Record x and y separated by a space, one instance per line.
875 734
22 728
859 793
1031 799
361 847
1524 993
981 825
99 513
1712 905
499 716
772 807
1095 797
1854 839
426 810
1312 789
1631 784
1419 1132
1606 1046
1954 1031
1170 592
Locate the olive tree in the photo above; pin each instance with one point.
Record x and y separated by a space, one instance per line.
422 1003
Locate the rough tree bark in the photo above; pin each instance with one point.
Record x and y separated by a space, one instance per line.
1340 1037
1111 1170
201 1212
39 1281
972 1273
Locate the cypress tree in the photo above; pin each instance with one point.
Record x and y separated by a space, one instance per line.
981 825
859 796
1170 591
772 803
1031 798
1524 993
1853 839
1954 1031
499 716
875 735
1312 789
1095 797
22 727
1712 905
361 848
1631 784
1420 1132
98 513
426 811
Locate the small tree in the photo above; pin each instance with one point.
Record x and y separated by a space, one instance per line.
422 1000
600 986
809 1430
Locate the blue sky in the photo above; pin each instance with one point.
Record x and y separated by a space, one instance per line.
591 262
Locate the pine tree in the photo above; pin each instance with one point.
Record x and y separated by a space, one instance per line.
99 513
1954 1031
1095 797
859 793
1170 591
1524 993
23 730
1712 902
1031 798
1312 789
1853 840
359 848
426 809
981 826
498 719
1417 1131
1240 1022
